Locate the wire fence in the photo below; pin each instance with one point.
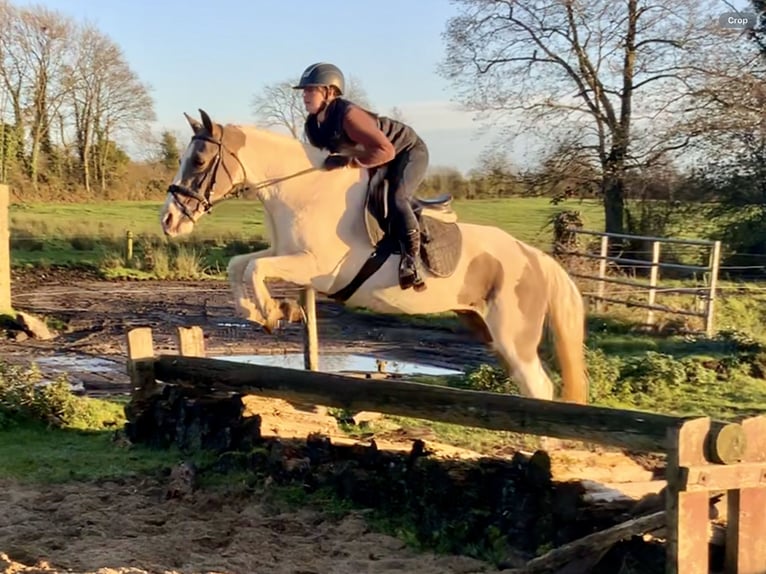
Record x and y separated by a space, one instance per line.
612 266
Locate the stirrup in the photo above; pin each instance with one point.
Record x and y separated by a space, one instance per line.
412 278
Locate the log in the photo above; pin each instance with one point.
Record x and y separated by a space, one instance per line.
591 546
633 430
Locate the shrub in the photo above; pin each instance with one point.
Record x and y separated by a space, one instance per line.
25 396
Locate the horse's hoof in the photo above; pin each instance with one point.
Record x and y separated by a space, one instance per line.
273 322
254 318
291 311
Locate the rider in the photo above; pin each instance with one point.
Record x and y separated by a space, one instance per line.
338 125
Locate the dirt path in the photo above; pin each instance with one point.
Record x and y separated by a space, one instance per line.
129 527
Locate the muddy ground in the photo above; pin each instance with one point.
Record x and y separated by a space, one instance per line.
129 525
96 316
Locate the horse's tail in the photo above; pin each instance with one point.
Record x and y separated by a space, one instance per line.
567 314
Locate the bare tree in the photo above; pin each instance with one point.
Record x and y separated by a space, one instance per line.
279 105
107 99
13 77
43 38
567 171
619 76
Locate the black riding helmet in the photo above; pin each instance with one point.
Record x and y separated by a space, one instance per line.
322 74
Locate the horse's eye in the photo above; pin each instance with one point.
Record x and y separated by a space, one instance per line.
199 162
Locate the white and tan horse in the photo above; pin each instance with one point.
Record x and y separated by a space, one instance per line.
318 237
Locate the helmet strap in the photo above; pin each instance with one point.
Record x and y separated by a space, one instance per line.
325 99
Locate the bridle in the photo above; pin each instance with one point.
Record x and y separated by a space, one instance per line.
211 174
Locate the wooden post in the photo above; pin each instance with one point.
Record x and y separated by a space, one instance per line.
653 280
5 251
715 261
141 362
191 341
311 340
693 474
688 513
602 272
128 248
746 509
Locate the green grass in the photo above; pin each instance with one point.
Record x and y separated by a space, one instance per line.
523 217
36 453
113 219
527 218
91 233
47 434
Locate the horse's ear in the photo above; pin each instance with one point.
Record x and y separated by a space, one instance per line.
206 121
195 125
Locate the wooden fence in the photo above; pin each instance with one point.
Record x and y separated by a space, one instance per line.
652 287
5 251
703 456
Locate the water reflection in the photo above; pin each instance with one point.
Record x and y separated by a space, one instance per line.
342 362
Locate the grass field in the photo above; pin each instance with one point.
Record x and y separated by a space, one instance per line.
90 233
524 218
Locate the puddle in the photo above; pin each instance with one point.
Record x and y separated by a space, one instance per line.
89 364
329 362
342 362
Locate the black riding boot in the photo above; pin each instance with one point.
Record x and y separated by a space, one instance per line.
409 269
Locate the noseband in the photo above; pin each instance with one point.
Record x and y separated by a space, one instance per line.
204 199
211 174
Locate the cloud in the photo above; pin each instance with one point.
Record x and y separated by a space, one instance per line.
456 139
438 115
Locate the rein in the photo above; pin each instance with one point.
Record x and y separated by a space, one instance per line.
211 174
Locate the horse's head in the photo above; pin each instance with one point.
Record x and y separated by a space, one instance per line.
210 170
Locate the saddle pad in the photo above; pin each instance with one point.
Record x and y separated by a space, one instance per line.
440 246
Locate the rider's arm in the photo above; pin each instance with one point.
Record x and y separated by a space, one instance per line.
363 129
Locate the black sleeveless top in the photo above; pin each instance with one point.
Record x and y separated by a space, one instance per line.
331 136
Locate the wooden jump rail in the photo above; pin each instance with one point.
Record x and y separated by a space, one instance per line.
703 456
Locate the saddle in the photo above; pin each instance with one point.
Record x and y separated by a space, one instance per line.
440 236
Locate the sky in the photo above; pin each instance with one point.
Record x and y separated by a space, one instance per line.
216 55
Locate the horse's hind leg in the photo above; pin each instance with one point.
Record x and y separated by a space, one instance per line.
516 347
515 339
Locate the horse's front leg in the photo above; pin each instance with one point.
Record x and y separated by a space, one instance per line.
244 305
298 268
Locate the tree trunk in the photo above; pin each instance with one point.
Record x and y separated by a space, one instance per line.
614 203
614 190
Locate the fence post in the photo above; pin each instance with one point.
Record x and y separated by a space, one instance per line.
653 280
311 343
5 250
687 512
602 272
128 248
191 341
715 261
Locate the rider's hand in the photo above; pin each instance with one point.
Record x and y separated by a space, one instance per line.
336 161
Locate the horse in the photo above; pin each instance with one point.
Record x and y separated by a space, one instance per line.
326 231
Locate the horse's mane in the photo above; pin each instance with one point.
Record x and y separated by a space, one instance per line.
287 154
283 140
